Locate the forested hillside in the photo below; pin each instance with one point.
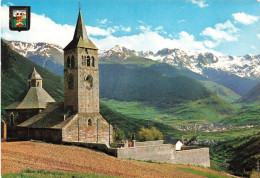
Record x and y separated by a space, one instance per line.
144 84
241 154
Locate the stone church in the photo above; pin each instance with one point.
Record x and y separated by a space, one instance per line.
77 119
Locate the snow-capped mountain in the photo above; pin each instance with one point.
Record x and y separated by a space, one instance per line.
116 53
50 56
47 55
242 66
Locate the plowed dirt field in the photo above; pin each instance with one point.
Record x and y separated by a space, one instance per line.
17 156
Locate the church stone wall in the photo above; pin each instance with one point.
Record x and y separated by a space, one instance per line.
44 134
91 128
198 157
148 143
160 153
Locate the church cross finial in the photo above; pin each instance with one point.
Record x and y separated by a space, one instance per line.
79 6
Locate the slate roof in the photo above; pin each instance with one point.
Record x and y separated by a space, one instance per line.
35 75
80 38
51 117
35 98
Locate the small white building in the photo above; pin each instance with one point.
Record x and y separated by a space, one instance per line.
178 145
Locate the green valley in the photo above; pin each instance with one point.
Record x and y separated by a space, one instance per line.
194 112
223 92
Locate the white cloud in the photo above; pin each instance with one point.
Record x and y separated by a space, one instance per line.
96 31
151 40
258 36
61 35
9 3
253 47
244 18
126 29
147 39
145 28
181 21
222 32
200 3
159 28
104 21
210 44
140 21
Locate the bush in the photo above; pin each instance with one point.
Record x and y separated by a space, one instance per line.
118 135
146 134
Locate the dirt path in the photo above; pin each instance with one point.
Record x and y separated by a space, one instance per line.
17 156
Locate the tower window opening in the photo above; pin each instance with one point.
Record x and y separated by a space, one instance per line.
12 119
38 84
89 80
68 62
72 65
89 122
93 61
88 61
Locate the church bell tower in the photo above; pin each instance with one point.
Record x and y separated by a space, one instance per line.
81 77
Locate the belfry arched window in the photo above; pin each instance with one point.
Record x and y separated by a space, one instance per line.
93 61
72 62
88 61
12 119
89 82
89 122
68 62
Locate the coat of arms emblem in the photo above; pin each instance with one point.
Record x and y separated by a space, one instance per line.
19 18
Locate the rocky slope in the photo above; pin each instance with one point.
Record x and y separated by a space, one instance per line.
47 55
242 66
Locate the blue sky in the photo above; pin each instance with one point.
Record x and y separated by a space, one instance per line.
227 26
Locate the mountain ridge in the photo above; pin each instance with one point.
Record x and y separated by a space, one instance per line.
252 96
46 55
197 65
242 66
